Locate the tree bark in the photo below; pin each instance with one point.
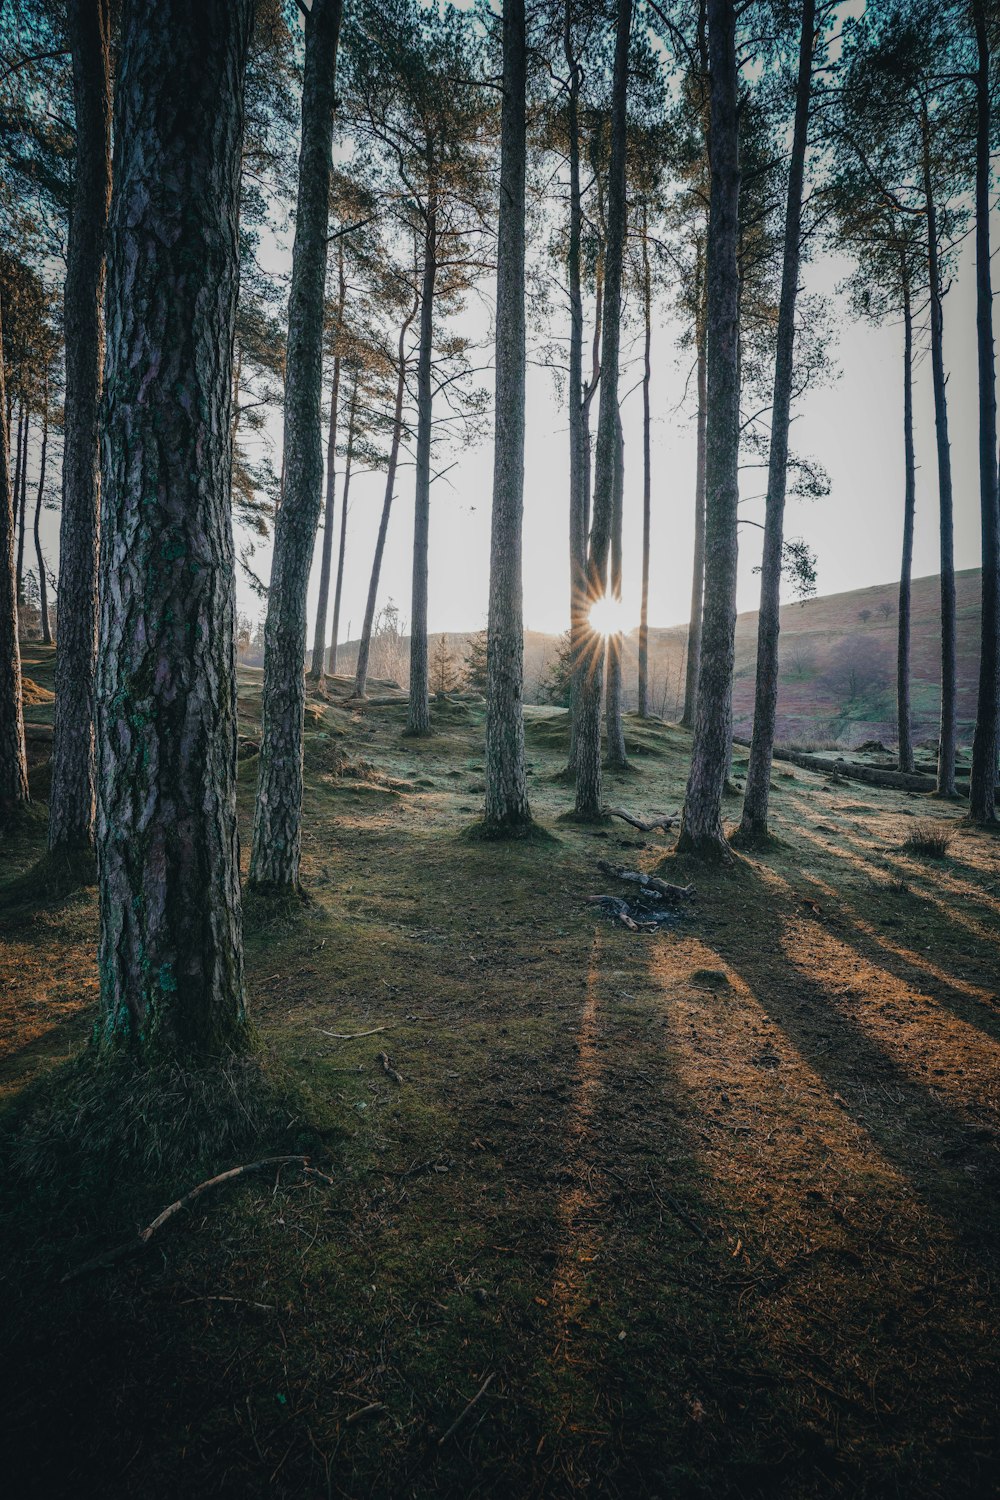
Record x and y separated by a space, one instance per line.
949 668
348 464
71 800
903 714
13 762
418 720
701 826
277 831
365 644
22 504
986 742
43 587
647 303
507 809
579 444
756 798
589 797
616 757
329 514
19 459
171 952
693 661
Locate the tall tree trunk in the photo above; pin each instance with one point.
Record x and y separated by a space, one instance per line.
904 718
693 654
365 643
13 763
43 587
22 505
171 950
348 464
507 809
71 800
329 517
277 829
589 796
647 304
949 670
579 443
701 825
19 458
418 720
617 757
757 795
986 742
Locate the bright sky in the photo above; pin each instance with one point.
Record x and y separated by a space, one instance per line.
852 426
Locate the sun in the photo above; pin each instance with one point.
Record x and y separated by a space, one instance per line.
607 616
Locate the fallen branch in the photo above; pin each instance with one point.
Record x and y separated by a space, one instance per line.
619 909
648 882
131 1247
388 1069
465 1411
375 1409
667 820
349 1036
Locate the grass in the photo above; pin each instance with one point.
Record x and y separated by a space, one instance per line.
715 1207
932 840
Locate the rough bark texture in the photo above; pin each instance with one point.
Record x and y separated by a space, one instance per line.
348 465
579 445
698 568
43 586
616 758
949 667
643 698
22 503
757 794
71 801
589 795
986 742
365 644
701 826
277 829
13 764
326 560
903 715
171 955
507 809
418 719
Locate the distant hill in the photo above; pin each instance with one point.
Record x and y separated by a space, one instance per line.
838 664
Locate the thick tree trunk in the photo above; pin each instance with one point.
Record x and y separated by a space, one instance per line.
579 445
986 743
507 809
418 720
365 643
348 465
171 951
756 798
589 795
71 800
949 668
647 303
13 764
617 759
43 587
22 505
329 516
277 830
693 655
701 826
904 718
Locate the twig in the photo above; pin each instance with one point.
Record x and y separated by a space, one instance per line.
130 1247
375 1409
465 1411
388 1069
649 882
261 1306
350 1036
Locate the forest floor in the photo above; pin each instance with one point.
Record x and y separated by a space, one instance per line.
711 1211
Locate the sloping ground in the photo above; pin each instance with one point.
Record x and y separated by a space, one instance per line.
714 1210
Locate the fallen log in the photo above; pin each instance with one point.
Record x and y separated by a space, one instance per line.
903 781
648 882
667 820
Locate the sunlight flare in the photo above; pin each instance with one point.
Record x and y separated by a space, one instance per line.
608 616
